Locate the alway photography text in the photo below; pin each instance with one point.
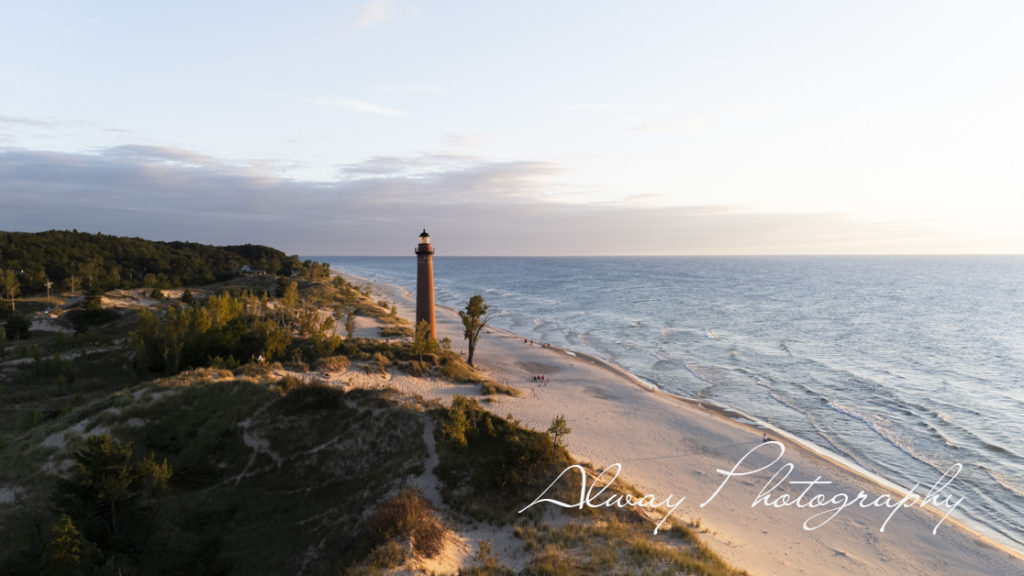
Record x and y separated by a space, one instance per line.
778 492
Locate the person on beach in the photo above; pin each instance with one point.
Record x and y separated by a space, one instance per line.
764 437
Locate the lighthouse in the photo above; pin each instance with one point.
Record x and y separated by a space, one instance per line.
425 283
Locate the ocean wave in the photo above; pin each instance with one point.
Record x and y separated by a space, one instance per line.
788 401
700 373
832 445
974 438
785 348
1014 487
939 435
876 424
994 448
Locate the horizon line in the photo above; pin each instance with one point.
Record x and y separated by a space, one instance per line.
723 255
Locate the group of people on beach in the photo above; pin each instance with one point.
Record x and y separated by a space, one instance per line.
531 343
541 379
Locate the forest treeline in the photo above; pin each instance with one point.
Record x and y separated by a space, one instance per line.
75 261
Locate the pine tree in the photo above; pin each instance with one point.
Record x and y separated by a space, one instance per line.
68 553
558 429
11 286
474 319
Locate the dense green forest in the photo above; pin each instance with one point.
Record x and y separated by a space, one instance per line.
76 260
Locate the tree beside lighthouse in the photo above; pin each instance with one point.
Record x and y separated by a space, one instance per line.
474 320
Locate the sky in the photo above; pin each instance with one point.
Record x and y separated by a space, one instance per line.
515 128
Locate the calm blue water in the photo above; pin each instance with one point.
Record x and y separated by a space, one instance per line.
905 365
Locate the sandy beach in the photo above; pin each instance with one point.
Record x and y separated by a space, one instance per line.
671 447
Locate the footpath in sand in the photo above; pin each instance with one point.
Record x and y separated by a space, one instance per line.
668 446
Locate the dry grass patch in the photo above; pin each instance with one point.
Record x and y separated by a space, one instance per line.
490 388
619 545
333 363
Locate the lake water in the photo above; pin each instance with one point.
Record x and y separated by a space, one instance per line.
904 365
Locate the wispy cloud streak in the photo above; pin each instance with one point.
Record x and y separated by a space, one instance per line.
357 106
20 121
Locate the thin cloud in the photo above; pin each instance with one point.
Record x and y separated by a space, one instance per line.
21 121
376 12
161 154
459 141
357 106
403 166
448 179
416 89
704 119
620 108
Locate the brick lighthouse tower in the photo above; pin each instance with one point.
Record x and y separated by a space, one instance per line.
425 283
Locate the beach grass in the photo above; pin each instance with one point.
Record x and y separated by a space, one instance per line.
620 544
490 388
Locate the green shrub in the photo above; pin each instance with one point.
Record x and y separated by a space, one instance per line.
333 363
490 388
254 369
418 368
428 537
382 362
398 515
289 383
228 363
305 398
111 494
552 565
488 563
407 514
68 552
18 326
455 369
396 332
388 555
30 420
490 466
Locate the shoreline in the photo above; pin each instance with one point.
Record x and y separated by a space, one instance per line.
714 416
757 424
